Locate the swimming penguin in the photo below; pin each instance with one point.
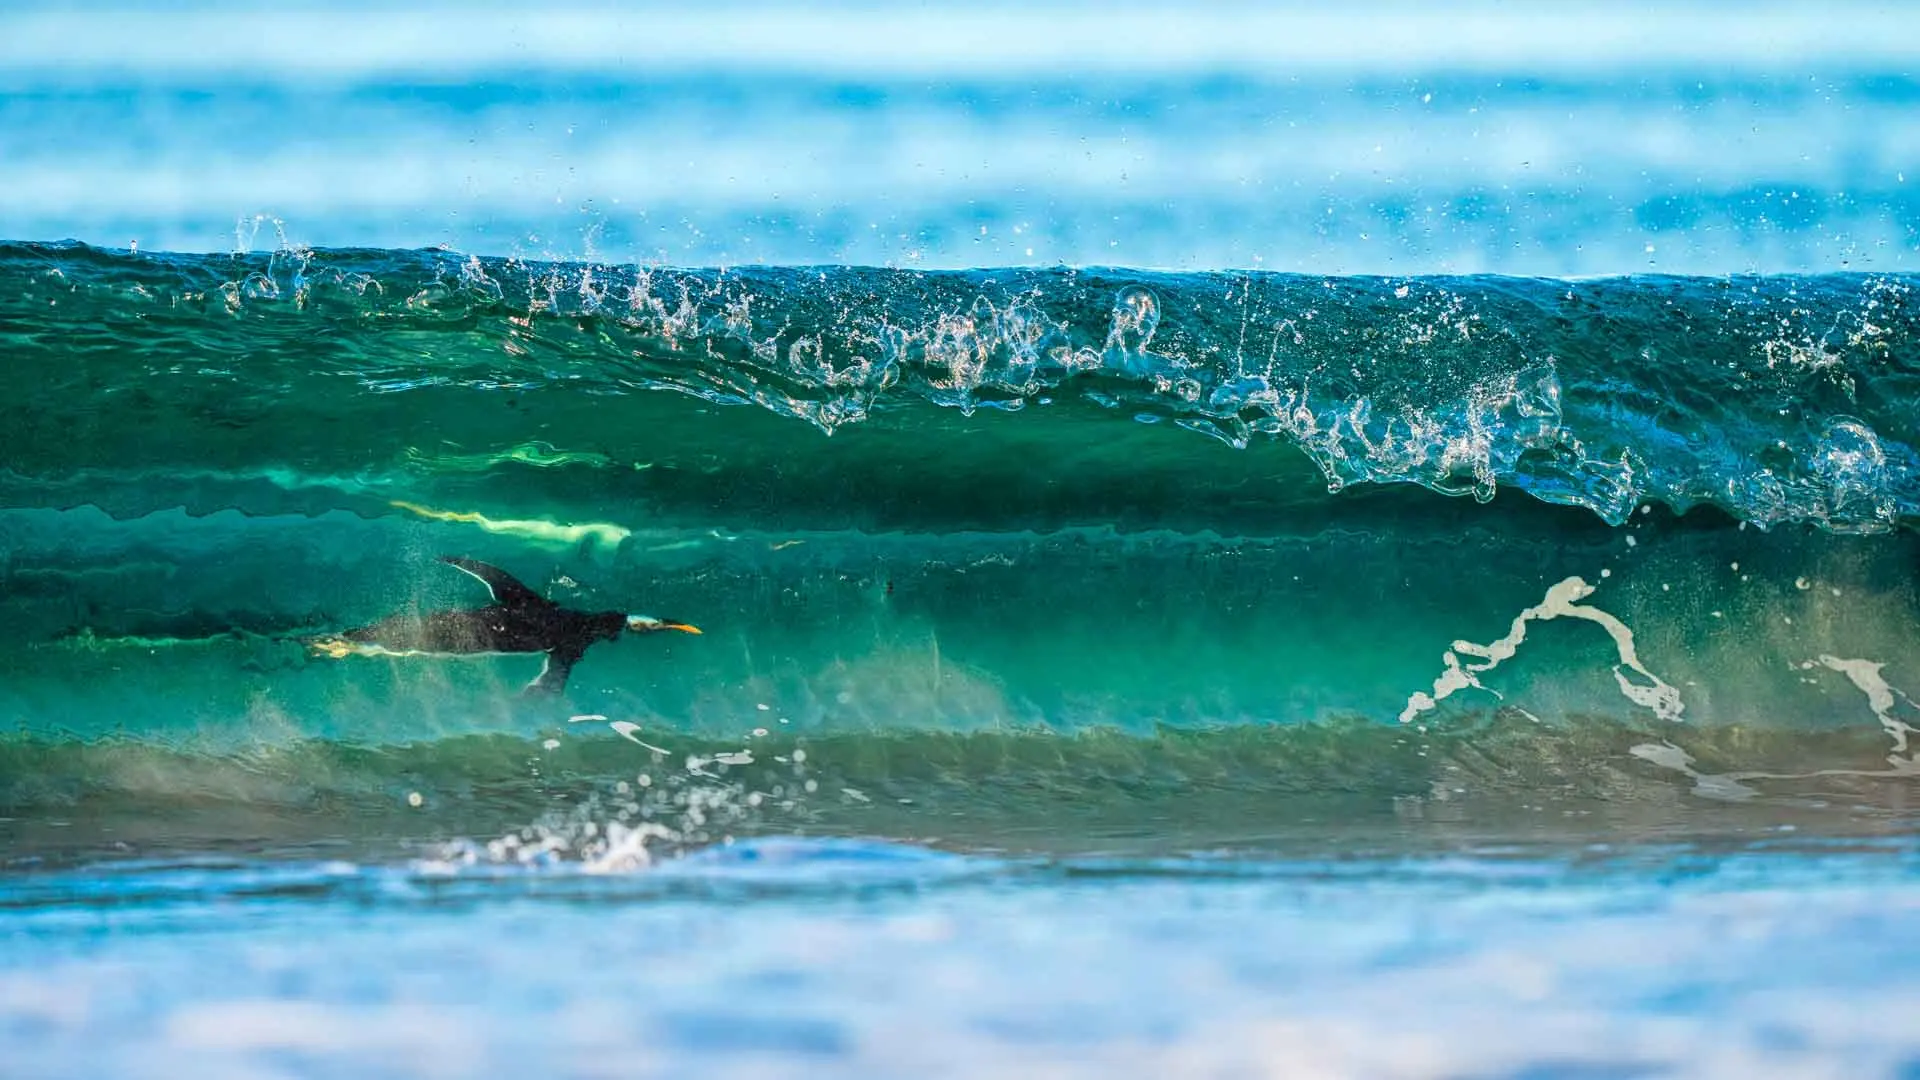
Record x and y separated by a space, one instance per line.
518 621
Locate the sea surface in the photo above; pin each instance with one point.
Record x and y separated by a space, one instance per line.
1261 541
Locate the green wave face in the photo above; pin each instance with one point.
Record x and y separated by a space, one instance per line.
966 559
302 377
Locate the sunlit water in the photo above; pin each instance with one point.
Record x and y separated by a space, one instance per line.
797 958
1174 601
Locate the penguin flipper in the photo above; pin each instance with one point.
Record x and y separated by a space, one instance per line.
506 588
553 675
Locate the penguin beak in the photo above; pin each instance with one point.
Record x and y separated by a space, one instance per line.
646 624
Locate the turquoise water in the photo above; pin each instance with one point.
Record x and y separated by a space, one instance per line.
802 957
1356 550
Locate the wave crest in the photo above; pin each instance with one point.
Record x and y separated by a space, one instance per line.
1778 399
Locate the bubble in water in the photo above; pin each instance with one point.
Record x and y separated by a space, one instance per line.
1853 468
1136 315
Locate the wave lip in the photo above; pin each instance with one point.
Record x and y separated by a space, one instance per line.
1778 399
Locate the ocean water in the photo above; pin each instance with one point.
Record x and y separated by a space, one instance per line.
1251 542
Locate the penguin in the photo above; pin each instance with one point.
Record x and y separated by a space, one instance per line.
518 621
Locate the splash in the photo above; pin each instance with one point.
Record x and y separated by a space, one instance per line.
632 823
1787 401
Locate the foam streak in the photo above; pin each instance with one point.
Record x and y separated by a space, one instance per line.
1560 602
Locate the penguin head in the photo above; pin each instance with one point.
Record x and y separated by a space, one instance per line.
647 624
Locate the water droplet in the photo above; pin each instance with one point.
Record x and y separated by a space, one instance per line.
1136 315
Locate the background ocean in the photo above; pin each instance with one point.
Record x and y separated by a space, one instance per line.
1268 540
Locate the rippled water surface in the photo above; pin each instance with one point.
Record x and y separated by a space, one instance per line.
798 957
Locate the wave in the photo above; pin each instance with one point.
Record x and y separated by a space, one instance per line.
995 550
594 794
1779 400
1065 630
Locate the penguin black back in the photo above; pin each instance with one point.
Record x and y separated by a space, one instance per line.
518 621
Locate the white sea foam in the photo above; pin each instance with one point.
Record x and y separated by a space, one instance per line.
1707 967
1866 677
630 731
1882 699
1561 601
1706 785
